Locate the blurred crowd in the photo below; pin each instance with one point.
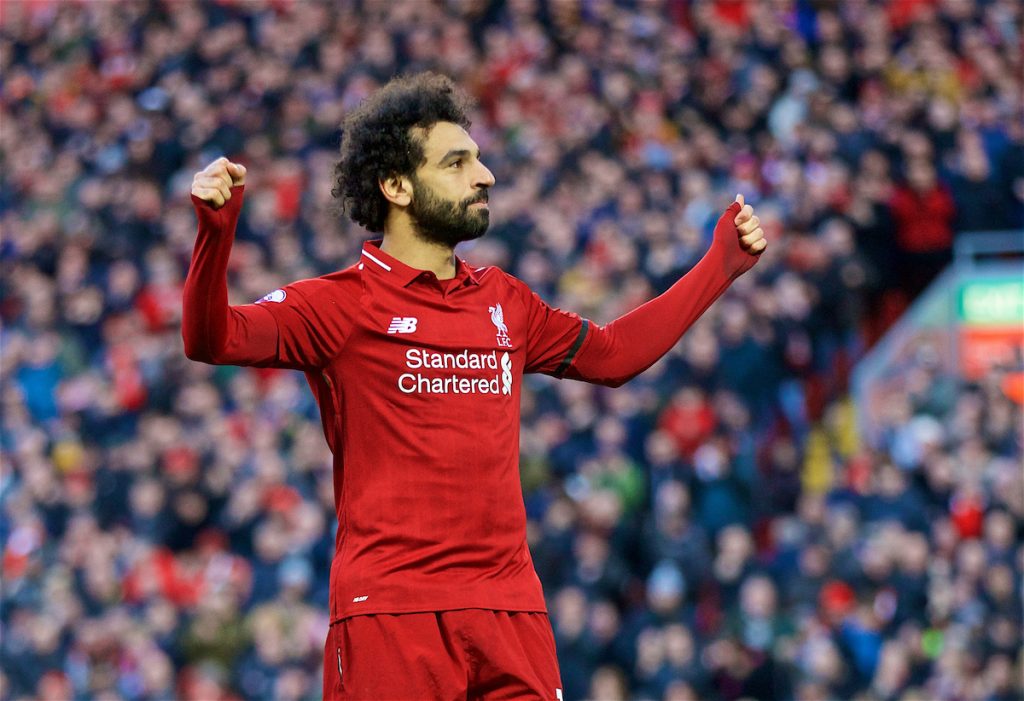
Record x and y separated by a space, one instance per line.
714 530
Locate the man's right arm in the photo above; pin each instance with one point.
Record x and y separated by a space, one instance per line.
213 331
289 335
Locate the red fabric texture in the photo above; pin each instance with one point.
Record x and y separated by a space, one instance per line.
214 332
462 654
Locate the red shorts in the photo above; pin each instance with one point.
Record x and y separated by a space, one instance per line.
464 654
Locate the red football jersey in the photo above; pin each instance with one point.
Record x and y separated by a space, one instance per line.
418 383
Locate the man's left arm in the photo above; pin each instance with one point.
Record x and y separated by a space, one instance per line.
612 354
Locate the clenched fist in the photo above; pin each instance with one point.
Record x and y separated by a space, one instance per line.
752 238
214 182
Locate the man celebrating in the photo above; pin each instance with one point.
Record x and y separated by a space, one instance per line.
416 360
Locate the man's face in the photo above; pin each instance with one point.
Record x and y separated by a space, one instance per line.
449 200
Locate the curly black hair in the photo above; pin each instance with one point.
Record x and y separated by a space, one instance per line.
377 141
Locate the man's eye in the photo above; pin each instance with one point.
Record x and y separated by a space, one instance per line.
456 164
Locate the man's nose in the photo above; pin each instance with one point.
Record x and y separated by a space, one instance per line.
484 176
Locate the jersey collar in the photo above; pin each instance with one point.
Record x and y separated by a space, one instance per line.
404 275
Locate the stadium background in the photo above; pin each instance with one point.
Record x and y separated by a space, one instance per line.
716 529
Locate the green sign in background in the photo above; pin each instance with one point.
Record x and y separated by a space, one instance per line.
991 302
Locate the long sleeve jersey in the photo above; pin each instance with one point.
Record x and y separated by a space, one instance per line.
418 383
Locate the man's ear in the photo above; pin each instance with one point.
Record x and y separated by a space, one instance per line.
397 189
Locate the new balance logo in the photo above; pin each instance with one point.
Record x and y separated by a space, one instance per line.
402 324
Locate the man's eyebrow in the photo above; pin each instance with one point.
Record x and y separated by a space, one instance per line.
458 153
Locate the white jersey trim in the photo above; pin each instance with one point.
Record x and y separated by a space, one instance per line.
376 260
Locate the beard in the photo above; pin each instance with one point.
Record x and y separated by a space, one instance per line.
444 222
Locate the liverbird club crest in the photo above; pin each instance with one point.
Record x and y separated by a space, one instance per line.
498 319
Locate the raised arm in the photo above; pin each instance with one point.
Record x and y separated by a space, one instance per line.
213 331
301 326
615 353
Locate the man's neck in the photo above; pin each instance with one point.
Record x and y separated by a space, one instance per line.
402 243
